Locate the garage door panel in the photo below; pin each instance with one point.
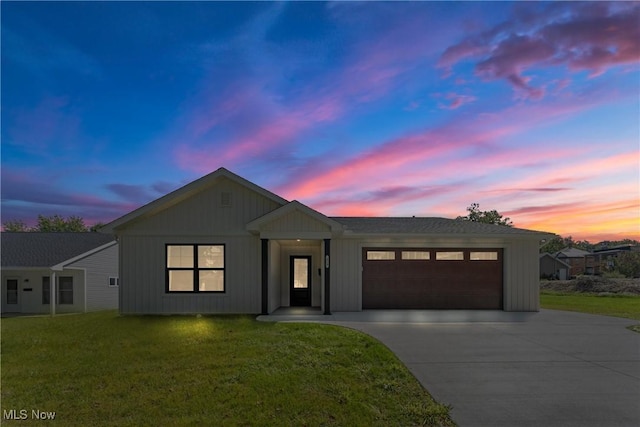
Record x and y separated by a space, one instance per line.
434 283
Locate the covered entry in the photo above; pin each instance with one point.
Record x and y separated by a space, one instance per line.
427 278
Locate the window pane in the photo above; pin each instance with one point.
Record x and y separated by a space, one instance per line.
211 280
12 291
450 256
483 256
65 290
211 256
46 290
416 255
180 280
381 255
180 256
300 273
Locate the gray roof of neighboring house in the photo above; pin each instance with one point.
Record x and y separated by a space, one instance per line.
571 253
426 225
33 249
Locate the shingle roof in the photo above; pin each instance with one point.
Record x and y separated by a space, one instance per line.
572 253
426 225
46 249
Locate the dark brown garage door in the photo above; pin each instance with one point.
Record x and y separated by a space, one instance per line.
431 278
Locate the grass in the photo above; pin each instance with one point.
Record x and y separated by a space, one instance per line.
102 369
609 305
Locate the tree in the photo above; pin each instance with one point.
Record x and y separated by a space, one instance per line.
486 217
559 243
15 225
52 224
628 264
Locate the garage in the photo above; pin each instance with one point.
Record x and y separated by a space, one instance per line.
432 278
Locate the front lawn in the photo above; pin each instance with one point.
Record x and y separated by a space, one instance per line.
608 305
102 369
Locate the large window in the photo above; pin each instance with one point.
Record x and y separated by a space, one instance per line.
195 268
65 290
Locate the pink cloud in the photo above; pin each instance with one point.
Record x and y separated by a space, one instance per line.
580 36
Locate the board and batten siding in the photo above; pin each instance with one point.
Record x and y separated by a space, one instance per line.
295 221
346 275
99 267
522 276
224 208
143 277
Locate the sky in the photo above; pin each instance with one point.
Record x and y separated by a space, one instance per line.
352 108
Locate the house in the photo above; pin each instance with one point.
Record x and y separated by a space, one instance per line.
604 259
83 268
575 258
553 268
222 244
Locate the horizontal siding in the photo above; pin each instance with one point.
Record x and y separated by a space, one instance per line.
203 213
99 267
142 277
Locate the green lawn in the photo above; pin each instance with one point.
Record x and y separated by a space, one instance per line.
610 305
102 369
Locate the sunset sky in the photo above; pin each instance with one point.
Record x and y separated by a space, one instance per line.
354 109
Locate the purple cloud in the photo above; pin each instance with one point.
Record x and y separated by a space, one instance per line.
581 36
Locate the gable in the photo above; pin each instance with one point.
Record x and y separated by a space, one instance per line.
295 220
222 208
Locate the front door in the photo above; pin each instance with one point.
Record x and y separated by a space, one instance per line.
300 280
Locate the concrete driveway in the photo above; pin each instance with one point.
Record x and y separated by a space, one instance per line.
552 368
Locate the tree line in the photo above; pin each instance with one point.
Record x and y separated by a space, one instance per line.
52 224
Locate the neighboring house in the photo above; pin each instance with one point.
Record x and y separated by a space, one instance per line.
553 268
575 258
605 258
58 272
222 244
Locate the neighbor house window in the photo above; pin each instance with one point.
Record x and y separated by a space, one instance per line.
484 256
450 255
46 290
12 291
195 268
416 255
65 290
381 255
113 282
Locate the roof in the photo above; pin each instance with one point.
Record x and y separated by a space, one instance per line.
559 260
571 253
429 225
184 193
291 207
34 249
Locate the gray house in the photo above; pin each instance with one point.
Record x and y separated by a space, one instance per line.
222 244
58 272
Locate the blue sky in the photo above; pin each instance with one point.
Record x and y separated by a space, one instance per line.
404 108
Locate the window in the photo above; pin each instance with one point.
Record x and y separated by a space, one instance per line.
380 255
195 268
65 290
113 282
46 290
12 291
450 256
484 256
416 255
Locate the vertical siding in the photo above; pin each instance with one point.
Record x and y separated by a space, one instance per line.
296 221
346 275
99 267
522 277
198 219
143 277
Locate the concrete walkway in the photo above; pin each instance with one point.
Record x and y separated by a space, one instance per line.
552 368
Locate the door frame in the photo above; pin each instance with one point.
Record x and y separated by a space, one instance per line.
300 297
